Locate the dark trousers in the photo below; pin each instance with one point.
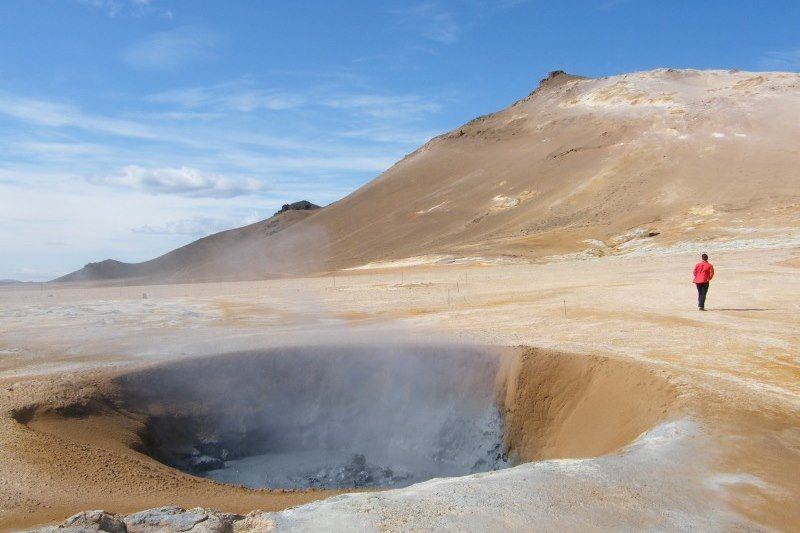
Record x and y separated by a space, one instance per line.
702 290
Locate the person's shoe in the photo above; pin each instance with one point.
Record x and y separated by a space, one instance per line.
701 308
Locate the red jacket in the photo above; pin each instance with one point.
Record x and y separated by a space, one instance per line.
703 272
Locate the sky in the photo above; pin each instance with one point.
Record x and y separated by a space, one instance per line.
131 127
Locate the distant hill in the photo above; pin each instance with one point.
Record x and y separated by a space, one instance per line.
580 166
203 258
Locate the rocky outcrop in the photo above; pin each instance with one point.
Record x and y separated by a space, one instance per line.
302 205
554 79
91 521
165 519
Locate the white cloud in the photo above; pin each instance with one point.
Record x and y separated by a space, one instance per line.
230 97
442 22
432 22
57 115
37 111
234 96
169 49
60 152
121 7
390 135
194 226
182 181
787 60
384 106
253 100
317 165
65 173
181 115
62 149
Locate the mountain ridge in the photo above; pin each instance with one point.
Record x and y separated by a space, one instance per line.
581 167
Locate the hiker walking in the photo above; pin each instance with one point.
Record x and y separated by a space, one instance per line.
703 273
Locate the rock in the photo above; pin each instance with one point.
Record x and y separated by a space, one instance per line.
552 75
59 529
97 521
87 521
302 205
164 520
169 518
204 463
555 78
255 522
358 473
212 448
216 523
206 455
359 461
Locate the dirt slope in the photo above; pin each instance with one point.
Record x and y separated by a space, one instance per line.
201 259
589 166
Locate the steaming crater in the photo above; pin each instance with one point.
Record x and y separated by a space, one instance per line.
337 417
425 405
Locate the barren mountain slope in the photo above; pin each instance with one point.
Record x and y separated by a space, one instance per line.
689 154
194 260
591 166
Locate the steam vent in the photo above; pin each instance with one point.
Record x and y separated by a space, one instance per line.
348 418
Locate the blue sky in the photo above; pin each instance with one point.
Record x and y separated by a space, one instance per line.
130 127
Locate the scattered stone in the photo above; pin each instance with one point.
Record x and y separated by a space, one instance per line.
213 448
165 520
206 455
355 474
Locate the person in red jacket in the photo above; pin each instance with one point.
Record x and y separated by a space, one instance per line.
703 273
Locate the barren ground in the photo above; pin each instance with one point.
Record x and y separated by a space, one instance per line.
734 372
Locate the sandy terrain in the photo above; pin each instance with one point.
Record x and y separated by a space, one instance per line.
719 391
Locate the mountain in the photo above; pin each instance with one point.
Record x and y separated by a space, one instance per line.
642 161
201 259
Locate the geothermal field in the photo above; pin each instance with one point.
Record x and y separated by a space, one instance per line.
500 332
